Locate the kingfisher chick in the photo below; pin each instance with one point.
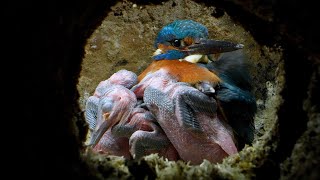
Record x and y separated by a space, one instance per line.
111 103
119 126
189 119
185 51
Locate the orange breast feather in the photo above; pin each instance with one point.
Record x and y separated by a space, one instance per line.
184 71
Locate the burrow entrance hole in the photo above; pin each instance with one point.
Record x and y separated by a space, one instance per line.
124 40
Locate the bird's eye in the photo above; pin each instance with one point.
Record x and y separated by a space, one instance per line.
176 43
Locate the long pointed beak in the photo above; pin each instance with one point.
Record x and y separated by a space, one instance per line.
98 133
208 46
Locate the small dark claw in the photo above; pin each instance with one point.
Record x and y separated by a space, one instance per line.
142 105
206 88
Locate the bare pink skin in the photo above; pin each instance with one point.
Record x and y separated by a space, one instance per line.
110 96
140 129
112 145
137 134
114 102
210 139
146 137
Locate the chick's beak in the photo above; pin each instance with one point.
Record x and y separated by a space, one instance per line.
98 133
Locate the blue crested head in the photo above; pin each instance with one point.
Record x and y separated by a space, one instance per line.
180 29
183 38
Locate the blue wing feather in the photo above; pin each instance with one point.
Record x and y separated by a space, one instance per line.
234 94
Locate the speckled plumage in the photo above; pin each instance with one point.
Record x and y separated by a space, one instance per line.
182 38
189 119
180 29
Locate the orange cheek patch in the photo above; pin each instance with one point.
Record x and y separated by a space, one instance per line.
188 41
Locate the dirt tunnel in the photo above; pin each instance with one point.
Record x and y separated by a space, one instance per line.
95 39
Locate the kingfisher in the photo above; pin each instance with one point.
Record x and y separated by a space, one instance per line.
217 68
199 91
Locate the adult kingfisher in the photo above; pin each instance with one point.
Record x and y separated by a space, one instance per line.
185 51
203 102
